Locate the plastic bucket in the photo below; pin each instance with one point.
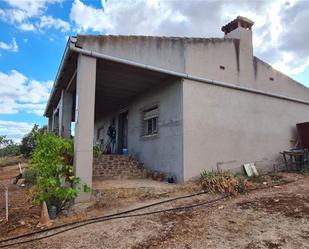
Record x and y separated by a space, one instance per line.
125 151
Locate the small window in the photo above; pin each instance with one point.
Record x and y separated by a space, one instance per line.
150 121
271 78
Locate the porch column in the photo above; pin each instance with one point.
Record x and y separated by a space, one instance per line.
55 121
50 124
65 114
84 126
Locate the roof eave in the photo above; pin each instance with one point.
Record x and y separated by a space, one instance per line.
64 59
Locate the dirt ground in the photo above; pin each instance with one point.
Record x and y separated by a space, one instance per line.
23 215
273 218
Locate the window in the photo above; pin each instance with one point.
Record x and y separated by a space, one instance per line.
150 121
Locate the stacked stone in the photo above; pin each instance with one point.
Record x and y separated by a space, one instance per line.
107 167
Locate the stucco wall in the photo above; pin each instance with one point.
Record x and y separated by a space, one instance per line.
204 57
162 52
227 127
162 152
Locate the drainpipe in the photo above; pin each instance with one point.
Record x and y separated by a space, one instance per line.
183 75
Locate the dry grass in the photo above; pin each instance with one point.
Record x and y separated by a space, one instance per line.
12 160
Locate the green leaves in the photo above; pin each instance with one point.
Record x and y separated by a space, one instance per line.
52 162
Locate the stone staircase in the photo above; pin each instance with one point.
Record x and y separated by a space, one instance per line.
112 167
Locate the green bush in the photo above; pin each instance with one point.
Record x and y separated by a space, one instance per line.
30 177
52 161
257 179
28 142
96 150
222 182
8 147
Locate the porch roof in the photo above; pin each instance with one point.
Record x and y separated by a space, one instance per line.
117 82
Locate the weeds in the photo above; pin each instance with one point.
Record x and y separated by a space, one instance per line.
275 177
223 182
257 179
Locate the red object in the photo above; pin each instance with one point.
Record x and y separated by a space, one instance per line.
303 134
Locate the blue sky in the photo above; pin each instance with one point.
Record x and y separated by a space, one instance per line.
34 33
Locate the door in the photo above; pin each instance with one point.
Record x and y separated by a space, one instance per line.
123 131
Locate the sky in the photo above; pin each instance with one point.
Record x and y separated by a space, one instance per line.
33 35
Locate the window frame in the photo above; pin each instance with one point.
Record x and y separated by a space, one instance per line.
150 125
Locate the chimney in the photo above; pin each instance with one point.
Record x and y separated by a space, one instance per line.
239 22
240 28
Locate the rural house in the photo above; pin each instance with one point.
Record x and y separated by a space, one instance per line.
179 105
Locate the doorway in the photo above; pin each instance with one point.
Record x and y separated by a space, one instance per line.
122 131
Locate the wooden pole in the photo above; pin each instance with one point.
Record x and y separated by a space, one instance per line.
7 204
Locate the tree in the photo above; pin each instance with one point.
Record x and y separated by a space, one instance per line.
28 142
52 161
8 147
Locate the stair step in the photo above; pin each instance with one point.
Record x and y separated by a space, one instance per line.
118 167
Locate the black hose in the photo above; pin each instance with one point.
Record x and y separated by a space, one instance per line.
117 217
102 217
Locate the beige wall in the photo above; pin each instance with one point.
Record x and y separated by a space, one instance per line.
204 58
235 127
162 52
225 128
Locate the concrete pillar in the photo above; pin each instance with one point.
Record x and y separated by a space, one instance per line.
65 114
50 124
55 121
84 126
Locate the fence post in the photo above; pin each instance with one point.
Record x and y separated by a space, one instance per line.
7 204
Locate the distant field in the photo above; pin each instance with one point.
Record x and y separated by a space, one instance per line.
12 160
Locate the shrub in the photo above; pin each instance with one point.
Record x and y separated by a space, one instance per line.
8 147
52 161
96 150
257 179
30 177
222 182
28 142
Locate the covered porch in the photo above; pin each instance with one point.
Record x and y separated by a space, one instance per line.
88 90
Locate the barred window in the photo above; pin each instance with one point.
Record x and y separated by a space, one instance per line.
150 121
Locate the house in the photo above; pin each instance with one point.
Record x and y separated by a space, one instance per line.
180 105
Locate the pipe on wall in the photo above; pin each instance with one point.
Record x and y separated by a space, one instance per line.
183 75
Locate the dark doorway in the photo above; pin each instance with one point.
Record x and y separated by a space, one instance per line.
122 131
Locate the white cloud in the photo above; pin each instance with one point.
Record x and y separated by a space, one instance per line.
27 27
93 18
50 22
9 46
29 15
14 130
280 25
20 94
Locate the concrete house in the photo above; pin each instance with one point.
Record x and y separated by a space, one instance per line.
179 105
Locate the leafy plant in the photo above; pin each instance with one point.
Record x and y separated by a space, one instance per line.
30 177
275 177
52 161
96 150
257 179
222 182
8 147
28 142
